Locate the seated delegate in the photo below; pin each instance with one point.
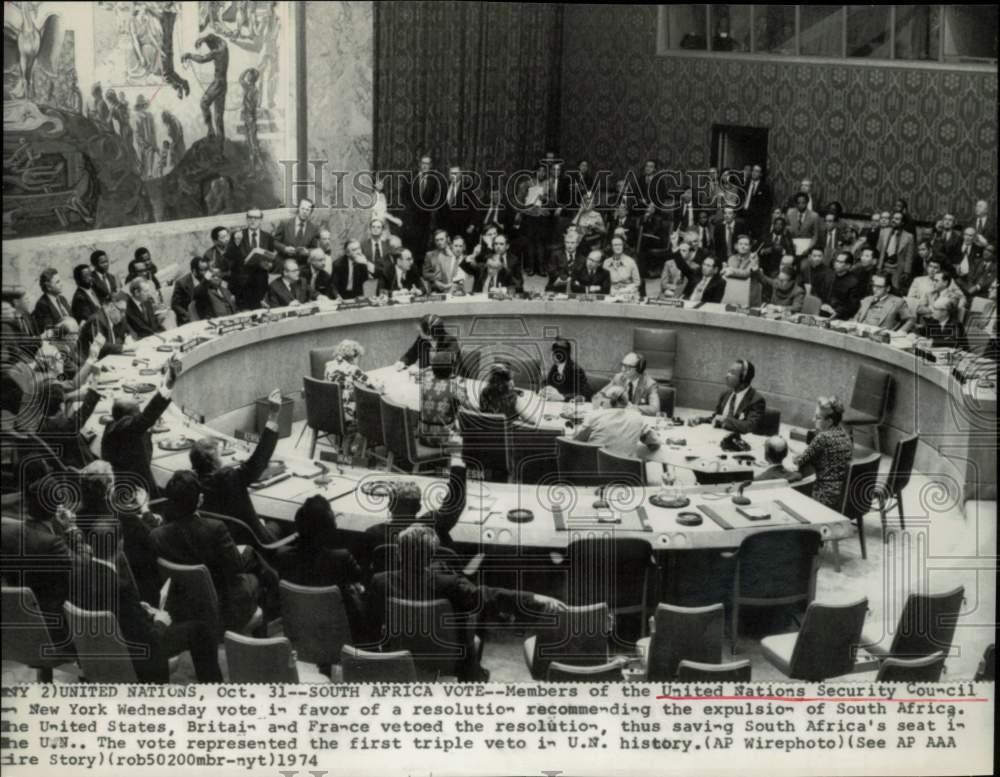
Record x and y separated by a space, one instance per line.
740 407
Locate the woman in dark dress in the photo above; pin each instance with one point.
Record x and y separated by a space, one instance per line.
566 378
829 454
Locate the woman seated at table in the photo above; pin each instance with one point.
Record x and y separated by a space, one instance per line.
432 338
566 378
829 454
500 397
441 394
343 370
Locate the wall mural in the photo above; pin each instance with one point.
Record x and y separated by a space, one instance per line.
122 113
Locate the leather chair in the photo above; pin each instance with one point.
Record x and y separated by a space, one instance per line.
869 401
266 660
318 357
363 666
315 620
324 412
100 647
729 672
659 346
578 462
770 423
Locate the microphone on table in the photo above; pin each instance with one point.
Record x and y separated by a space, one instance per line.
739 499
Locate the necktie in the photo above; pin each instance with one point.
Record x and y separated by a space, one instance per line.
423 186
729 238
451 196
631 391
491 215
300 228
350 274
980 224
730 405
830 240
376 250
753 185
111 333
61 306
253 241
891 250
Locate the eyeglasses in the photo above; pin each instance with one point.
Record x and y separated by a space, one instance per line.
628 365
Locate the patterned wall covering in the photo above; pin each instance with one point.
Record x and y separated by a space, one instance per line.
865 135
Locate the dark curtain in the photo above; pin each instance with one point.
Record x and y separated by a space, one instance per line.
472 83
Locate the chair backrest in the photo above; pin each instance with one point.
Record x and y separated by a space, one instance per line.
531 452
428 630
251 660
987 669
394 429
484 441
729 672
598 380
805 485
811 305
659 346
193 312
607 569
927 624
705 476
912 670
610 672
870 394
324 406
469 364
384 558
315 621
770 423
100 647
902 464
368 414
577 462
861 487
668 398
679 633
779 564
318 357
363 666
526 372
193 585
621 470
26 637
827 643
579 637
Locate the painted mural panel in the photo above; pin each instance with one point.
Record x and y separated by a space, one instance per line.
123 113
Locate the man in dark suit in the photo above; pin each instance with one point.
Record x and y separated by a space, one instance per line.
726 233
250 255
591 277
422 197
85 300
491 276
105 283
20 335
846 292
109 323
422 578
775 452
316 277
226 487
511 263
62 430
190 538
289 289
947 240
212 299
375 247
458 208
755 209
218 253
563 262
711 287
817 276
803 221
52 307
984 223
496 212
139 315
740 407
127 441
401 276
184 288
293 238
351 271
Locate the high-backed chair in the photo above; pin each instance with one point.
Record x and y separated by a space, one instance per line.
324 412
26 638
598 380
100 646
430 631
890 494
774 568
926 625
526 372
394 435
484 442
680 633
368 416
811 305
610 672
826 645
805 485
266 660
192 584
869 401
987 669
912 670
384 558
422 456
243 535
531 452
659 346
616 571
621 470
577 462
318 357
729 672
363 666
859 490
315 621
770 423
469 364
668 398
578 636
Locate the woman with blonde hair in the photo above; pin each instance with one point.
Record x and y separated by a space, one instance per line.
829 454
343 370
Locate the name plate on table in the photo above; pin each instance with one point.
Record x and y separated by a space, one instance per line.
670 302
196 417
302 312
434 298
185 347
499 295
354 304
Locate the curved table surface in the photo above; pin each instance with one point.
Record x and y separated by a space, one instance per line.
224 371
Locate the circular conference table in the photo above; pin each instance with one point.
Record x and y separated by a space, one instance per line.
231 363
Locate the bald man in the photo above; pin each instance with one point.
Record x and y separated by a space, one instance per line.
775 451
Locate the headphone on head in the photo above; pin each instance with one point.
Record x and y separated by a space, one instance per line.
640 366
747 372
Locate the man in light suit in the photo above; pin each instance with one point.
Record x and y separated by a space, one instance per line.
803 222
740 407
293 238
52 307
442 270
641 391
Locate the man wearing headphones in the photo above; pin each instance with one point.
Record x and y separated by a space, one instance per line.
641 391
740 407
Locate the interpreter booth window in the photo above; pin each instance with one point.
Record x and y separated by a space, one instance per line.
918 32
970 33
730 26
821 30
688 25
869 31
